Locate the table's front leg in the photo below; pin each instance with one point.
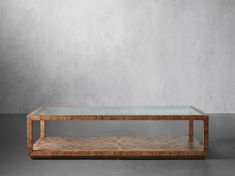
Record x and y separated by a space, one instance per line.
29 134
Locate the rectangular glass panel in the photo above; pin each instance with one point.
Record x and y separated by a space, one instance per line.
149 110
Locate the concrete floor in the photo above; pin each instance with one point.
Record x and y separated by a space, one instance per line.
14 159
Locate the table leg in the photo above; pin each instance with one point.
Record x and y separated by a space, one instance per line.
190 130
42 128
206 135
29 134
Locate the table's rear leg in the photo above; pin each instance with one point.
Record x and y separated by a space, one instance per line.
190 131
206 135
42 129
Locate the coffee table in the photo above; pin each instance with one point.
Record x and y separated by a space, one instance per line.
118 146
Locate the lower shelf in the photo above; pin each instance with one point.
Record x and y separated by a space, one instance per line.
117 146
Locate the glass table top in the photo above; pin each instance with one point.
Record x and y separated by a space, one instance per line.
129 110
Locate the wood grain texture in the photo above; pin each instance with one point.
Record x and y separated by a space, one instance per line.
42 128
30 130
206 135
29 135
122 117
190 130
117 146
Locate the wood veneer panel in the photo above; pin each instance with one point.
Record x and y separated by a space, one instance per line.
116 146
76 143
123 117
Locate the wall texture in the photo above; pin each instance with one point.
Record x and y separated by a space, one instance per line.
117 53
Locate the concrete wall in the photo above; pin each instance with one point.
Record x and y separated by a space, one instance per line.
117 53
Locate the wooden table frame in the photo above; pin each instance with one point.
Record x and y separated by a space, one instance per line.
117 154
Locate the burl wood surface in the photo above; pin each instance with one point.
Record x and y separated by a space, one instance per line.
117 146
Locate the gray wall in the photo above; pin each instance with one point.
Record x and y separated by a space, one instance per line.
117 53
